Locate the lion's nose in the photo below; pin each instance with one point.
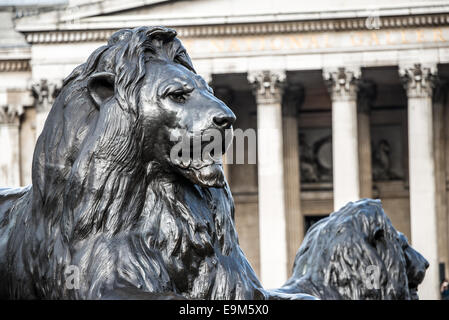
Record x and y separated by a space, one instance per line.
224 121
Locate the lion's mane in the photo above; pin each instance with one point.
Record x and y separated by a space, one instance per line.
96 205
355 253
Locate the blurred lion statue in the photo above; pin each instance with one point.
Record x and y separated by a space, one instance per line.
357 254
111 213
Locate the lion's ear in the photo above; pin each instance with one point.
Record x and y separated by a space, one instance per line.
101 87
379 234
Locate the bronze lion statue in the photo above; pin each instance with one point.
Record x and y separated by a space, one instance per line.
107 201
357 254
111 214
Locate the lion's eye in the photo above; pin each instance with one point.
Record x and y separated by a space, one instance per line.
178 96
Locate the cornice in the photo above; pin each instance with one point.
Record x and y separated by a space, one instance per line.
349 24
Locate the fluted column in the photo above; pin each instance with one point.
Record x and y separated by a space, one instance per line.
9 142
365 97
44 92
268 89
418 81
439 126
293 98
342 87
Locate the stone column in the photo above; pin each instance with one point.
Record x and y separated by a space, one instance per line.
343 90
292 101
268 89
365 97
418 81
440 124
44 92
446 176
9 142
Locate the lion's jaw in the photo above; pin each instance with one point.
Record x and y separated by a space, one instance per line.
210 175
202 167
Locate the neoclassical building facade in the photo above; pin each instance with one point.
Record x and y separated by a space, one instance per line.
349 101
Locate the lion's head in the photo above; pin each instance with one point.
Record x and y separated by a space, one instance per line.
148 73
356 253
111 131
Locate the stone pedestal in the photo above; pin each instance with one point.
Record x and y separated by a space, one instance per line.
268 89
418 82
343 90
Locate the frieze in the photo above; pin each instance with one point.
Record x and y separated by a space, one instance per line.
290 27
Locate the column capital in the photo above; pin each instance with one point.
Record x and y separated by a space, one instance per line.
366 94
10 114
418 80
342 82
268 86
45 92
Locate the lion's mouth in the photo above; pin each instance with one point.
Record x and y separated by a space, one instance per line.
187 162
204 168
197 158
201 161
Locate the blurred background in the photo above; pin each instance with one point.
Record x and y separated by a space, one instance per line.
354 93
